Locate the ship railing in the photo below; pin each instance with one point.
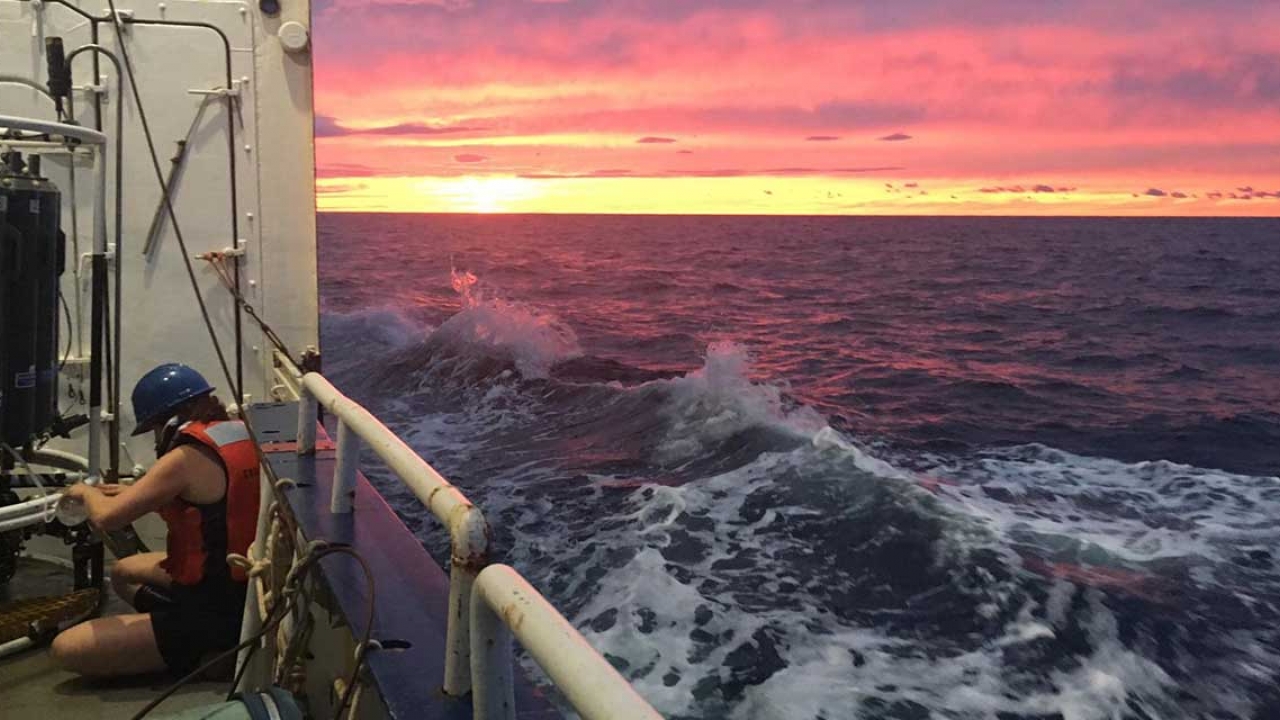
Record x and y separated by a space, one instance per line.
487 603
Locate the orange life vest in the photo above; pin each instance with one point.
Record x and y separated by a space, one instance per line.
197 546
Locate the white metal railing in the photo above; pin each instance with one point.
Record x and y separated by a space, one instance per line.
487 603
468 533
502 604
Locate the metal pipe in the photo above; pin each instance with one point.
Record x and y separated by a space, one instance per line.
44 127
591 685
19 80
113 448
21 522
15 646
59 459
469 554
75 245
344 474
39 505
307 412
493 692
97 295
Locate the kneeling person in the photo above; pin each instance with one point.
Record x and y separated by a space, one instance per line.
204 485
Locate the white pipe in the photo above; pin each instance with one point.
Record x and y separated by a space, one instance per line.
15 646
45 147
469 541
591 685
493 688
39 505
44 127
344 474
307 419
59 459
28 82
17 523
50 559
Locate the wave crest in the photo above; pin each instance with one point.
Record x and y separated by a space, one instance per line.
718 401
533 339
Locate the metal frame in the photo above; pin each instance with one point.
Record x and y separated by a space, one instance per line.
487 603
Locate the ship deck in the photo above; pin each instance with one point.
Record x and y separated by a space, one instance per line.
32 687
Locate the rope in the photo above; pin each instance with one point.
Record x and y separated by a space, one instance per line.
217 260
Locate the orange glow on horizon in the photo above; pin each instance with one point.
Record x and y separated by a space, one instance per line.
719 107
748 196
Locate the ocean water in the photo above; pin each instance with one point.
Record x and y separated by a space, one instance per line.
908 468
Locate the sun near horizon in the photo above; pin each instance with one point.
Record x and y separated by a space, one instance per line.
827 107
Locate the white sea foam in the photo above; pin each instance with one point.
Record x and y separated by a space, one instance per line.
719 400
533 339
1109 511
657 613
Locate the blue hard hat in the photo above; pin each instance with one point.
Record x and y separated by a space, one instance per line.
160 392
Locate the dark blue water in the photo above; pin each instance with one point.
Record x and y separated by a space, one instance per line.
853 467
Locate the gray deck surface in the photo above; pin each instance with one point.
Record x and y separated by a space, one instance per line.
33 688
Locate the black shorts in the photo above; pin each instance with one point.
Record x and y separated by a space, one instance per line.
203 619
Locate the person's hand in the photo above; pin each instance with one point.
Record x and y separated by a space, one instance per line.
75 492
110 489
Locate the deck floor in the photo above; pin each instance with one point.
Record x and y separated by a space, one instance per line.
33 688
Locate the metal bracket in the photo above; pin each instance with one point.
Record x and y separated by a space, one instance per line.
100 90
122 16
232 92
86 257
226 252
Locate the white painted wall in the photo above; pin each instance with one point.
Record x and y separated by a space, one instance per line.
275 169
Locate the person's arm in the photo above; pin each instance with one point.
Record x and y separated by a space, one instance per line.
166 480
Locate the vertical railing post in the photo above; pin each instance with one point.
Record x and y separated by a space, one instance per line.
251 623
307 413
493 695
469 536
344 475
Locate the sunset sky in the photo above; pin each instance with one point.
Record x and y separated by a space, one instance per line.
809 106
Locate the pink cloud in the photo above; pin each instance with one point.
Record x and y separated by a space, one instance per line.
1028 91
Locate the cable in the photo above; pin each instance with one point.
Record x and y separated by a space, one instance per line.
44 492
363 648
290 592
215 261
66 311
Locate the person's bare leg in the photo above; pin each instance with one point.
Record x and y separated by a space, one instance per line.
110 646
128 574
